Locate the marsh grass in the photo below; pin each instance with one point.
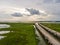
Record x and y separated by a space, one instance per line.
54 26
23 34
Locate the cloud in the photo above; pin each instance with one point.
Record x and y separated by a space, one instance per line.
47 7
33 11
48 1
16 14
57 1
4 15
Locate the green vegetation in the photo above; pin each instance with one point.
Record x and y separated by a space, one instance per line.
23 34
54 26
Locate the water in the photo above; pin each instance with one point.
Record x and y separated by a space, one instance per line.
4 26
4 32
1 37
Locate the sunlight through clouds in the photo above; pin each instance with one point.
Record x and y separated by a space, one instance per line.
29 10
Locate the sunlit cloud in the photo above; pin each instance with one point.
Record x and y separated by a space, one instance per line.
29 10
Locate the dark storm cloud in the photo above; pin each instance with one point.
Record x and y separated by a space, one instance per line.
33 11
51 1
48 1
16 14
57 1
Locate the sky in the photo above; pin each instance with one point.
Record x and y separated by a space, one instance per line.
29 10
